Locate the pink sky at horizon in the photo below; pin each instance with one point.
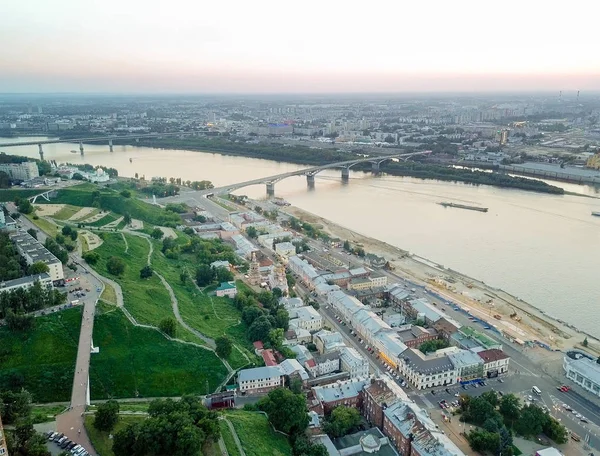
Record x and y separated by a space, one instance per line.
273 47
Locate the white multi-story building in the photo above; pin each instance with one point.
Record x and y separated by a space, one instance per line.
367 324
324 364
354 363
308 318
345 305
303 269
583 371
260 379
495 362
26 282
425 372
327 341
33 251
21 171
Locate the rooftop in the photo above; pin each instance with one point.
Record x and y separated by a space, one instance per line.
23 280
481 338
308 313
339 390
586 367
226 286
492 355
464 358
364 443
426 365
422 306
258 373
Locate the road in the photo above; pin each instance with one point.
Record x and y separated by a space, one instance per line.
71 423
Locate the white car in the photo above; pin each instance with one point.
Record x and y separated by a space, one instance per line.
578 415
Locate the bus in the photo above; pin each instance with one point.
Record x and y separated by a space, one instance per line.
536 390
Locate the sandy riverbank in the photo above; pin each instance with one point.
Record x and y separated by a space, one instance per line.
481 299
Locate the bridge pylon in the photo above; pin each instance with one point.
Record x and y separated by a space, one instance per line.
271 188
345 174
110 145
41 152
81 148
310 181
375 167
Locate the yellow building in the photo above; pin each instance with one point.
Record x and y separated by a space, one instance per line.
594 161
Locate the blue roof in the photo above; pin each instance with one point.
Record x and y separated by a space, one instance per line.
226 286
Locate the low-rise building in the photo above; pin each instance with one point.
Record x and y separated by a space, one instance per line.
324 364
361 443
378 279
583 370
292 368
345 305
389 347
495 362
221 264
422 309
327 341
354 363
427 371
226 289
470 339
259 379
377 396
243 246
285 249
308 318
468 365
303 269
290 304
269 357
368 325
416 335
412 432
346 393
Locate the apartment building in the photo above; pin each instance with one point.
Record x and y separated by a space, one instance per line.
308 318
26 282
33 251
377 396
324 364
327 341
21 171
425 372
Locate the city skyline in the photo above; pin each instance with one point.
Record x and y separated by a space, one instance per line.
236 47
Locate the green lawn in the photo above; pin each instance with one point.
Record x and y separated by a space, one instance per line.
197 310
45 413
45 225
257 436
43 360
10 195
66 212
83 195
232 448
110 217
147 300
140 362
101 441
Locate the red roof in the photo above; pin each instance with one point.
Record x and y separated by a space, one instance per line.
258 345
492 355
269 358
311 363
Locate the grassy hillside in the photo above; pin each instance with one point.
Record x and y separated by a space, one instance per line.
257 436
10 195
95 196
140 362
43 360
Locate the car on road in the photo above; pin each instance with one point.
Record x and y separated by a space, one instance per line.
583 419
578 415
500 380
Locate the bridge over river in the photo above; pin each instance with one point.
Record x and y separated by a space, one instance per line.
310 173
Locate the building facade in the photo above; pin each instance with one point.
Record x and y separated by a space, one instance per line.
259 379
226 289
583 371
354 363
34 251
308 318
495 362
21 171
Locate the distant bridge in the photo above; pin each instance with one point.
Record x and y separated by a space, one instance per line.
310 173
97 139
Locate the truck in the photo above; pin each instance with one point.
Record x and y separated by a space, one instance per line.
498 317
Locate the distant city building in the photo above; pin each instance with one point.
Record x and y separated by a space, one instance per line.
285 249
327 341
308 318
21 171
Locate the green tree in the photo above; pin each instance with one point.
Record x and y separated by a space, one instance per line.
33 233
531 422
39 267
146 272
204 275
127 219
157 233
251 232
287 411
282 319
510 409
341 421
91 257
107 415
433 345
25 207
483 441
223 274
168 326
66 230
585 342
259 329
125 194
15 405
491 397
115 266
224 346
347 246
276 337
251 313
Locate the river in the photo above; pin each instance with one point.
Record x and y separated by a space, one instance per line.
545 249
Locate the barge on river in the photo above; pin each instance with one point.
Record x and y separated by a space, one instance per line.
464 206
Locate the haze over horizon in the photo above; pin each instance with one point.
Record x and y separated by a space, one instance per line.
316 47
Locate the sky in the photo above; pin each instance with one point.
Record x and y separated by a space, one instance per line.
325 46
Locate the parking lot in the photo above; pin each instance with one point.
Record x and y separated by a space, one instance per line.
58 442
